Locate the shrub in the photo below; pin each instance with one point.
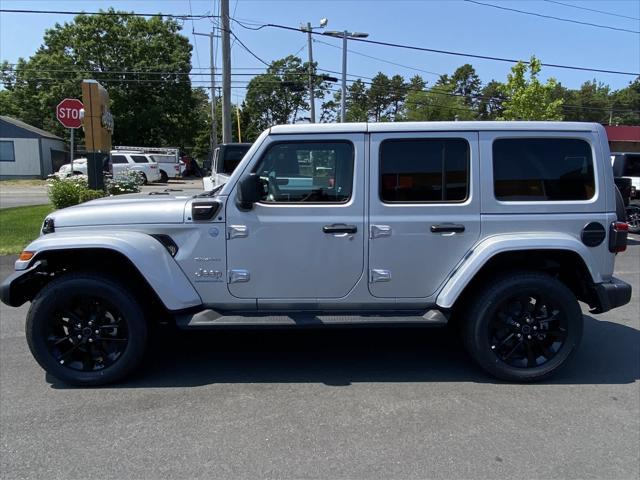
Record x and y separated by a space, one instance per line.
66 192
128 181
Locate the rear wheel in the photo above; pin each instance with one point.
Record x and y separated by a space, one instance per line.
164 178
85 329
143 176
523 327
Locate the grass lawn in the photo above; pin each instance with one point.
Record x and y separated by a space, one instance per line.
20 225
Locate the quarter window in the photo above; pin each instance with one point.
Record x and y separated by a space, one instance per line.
542 169
424 170
307 172
139 159
7 152
118 159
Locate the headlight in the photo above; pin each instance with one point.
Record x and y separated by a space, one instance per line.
48 226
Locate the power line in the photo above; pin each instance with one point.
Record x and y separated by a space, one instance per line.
248 49
551 17
380 59
591 10
108 13
446 52
193 29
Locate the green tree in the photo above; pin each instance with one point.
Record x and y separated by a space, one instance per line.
467 83
439 103
528 98
490 101
379 97
281 94
117 50
626 105
357 103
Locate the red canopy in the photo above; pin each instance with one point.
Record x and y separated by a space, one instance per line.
623 133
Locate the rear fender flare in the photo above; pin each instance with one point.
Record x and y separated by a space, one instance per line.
483 252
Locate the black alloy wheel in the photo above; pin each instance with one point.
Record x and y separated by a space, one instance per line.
527 331
86 329
87 334
522 326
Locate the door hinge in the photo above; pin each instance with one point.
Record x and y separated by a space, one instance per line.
239 276
379 275
237 231
377 231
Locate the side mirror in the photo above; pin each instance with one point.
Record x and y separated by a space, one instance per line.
249 191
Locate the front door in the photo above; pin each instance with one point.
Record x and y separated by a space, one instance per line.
305 239
424 210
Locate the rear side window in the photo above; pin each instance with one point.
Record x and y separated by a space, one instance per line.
139 159
118 159
232 157
631 166
542 169
424 170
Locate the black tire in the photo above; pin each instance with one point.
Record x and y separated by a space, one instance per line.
103 307
545 303
144 178
164 178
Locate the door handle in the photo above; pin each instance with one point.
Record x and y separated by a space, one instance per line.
447 227
339 228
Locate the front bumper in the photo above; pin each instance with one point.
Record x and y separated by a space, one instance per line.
611 295
14 289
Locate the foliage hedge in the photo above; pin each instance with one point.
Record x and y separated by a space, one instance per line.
68 191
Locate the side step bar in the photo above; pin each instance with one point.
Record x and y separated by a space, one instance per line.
213 319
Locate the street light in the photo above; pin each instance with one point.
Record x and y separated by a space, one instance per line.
309 29
344 35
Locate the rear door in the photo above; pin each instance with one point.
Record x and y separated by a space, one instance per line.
424 209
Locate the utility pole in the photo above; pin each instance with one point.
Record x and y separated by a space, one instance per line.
345 35
226 73
214 121
312 100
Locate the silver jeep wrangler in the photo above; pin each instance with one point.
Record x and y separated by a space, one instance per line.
497 228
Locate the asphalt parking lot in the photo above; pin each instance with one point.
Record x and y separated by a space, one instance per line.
365 403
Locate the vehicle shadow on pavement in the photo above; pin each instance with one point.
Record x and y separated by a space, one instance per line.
608 354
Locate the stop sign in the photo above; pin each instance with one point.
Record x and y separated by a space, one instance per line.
68 112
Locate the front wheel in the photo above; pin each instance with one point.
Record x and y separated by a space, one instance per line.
523 327
86 329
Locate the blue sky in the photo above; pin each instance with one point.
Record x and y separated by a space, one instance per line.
441 24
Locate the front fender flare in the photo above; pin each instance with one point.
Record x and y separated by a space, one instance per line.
490 247
146 254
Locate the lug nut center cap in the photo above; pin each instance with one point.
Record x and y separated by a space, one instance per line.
86 331
526 329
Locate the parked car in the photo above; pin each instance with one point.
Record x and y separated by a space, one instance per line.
119 162
500 228
626 171
226 158
170 166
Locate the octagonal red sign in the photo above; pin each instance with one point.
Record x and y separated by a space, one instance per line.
68 112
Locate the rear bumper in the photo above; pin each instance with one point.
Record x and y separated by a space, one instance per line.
611 295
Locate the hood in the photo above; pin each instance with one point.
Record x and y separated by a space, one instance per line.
134 209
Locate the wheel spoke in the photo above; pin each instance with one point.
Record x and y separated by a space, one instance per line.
512 351
531 359
111 339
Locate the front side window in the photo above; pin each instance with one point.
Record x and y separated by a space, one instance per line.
424 170
7 152
542 169
307 172
139 159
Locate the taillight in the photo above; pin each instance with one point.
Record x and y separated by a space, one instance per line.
177 167
618 237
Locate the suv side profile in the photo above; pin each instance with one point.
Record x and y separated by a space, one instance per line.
146 166
500 228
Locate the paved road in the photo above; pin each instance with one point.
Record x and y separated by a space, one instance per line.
353 404
21 195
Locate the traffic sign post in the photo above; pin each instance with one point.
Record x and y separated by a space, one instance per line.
69 113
